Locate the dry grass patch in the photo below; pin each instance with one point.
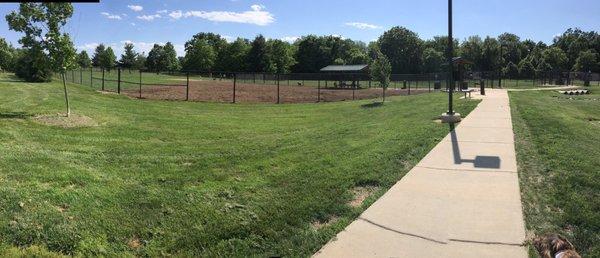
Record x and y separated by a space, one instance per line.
60 120
134 243
316 225
361 193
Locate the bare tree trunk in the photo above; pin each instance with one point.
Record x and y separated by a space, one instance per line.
66 94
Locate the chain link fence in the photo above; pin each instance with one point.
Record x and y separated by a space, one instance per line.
297 87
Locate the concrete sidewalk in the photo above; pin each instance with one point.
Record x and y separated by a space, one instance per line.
461 200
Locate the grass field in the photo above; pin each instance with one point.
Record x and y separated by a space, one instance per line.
197 179
558 146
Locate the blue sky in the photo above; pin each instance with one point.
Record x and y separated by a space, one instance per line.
115 22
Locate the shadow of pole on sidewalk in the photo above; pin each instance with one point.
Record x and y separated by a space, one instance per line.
479 161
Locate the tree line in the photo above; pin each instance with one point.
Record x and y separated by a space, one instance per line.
574 50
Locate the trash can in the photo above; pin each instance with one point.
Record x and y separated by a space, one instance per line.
482 87
437 85
464 85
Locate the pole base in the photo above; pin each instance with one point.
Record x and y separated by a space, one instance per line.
450 118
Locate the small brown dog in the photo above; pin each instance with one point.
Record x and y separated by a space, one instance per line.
554 246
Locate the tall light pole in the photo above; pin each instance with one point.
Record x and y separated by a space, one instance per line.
450 116
449 55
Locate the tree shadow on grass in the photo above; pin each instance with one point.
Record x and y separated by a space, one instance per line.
372 105
14 115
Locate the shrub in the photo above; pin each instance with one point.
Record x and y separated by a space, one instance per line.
31 65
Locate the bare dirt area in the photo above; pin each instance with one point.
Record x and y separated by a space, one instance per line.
60 120
222 91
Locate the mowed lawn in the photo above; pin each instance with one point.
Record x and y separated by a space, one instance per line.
198 179
558 146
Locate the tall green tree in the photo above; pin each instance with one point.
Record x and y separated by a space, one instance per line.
83 60
490 55
200 56
404 49
170 58
574 41
234 58
311 54
280 56
556 58
526 68
381 69
104 57
7 55
511 70
432 60
472 50
215 41
42 24
511 48
542 68
97 58
440 44
109 59
155 60
587 61
128 57
140 61
257 57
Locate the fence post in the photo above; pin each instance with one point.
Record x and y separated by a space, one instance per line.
353 92
318 93
80 76
408 88
429 83
278 89
103 79
118 80
187 86
140 84
234 82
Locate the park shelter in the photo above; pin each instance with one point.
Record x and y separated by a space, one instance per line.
346 73
362 68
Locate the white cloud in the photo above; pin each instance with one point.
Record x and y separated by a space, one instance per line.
176 14
149 17
111 16
136 8
227 38
257 16
257 7
362 25
89 47
162 11
290 39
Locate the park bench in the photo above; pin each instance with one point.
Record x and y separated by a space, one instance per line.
467 91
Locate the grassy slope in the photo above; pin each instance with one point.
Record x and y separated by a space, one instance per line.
559 160
197 178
